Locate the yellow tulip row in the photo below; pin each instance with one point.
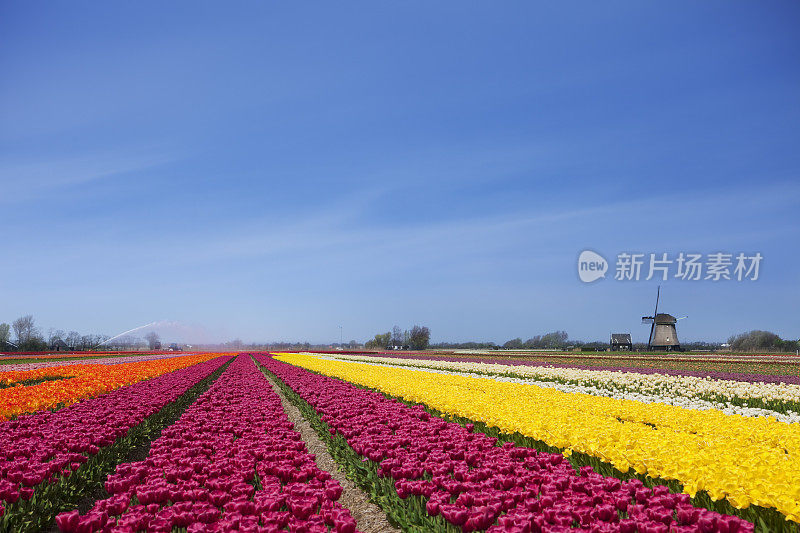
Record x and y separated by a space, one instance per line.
746 460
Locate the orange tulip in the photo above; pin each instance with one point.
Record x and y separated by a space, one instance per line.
80 381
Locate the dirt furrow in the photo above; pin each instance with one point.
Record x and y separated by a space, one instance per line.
369 517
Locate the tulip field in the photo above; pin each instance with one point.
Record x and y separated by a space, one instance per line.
204 442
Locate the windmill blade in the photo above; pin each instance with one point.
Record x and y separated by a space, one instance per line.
681 318
653 321
647 320
658 295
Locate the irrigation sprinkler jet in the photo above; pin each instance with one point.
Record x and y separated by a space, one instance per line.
126 332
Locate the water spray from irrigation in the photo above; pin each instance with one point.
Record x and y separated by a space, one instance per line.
171 324
125 333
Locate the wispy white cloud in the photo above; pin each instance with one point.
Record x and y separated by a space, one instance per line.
25 180
340 228
337 229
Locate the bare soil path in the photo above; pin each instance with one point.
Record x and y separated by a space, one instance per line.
369 517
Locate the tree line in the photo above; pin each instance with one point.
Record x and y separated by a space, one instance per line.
29 338
762 341
417 338
751 341
556 340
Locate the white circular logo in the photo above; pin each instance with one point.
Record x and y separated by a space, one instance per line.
591 266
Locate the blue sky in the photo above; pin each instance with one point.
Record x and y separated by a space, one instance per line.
272 171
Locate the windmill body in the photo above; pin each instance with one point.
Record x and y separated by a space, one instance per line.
664 334
663 331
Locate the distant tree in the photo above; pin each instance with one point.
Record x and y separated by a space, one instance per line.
34 344
4 333
152 338
73 340
556 339
533 342
385 340
789 345
86 342
90 342
552 340
380 341
699 346
469 345
756 341
513 344
28 337
124 342
25 329
419 337
397 336
596 346
54 336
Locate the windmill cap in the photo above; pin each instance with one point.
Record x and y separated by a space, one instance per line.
664 318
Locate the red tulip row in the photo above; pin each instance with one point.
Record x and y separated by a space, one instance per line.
475 484
40 450
232 462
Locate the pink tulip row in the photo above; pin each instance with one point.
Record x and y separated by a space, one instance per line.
475 484
44 446
91 361
232 462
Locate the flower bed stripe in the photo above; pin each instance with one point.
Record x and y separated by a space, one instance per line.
447 471
86 381
107 360
408 514
645 381
746 460
367 514
50 460
787 371
232 461
779 401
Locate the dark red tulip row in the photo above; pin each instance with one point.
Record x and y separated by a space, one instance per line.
476 484
43 447
231 462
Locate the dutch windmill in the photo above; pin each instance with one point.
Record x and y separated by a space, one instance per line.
663 334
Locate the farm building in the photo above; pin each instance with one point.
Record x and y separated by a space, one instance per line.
621 341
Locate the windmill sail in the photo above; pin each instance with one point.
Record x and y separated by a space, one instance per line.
663 334
652 319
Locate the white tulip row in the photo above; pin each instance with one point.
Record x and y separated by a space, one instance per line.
689 386
682 391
